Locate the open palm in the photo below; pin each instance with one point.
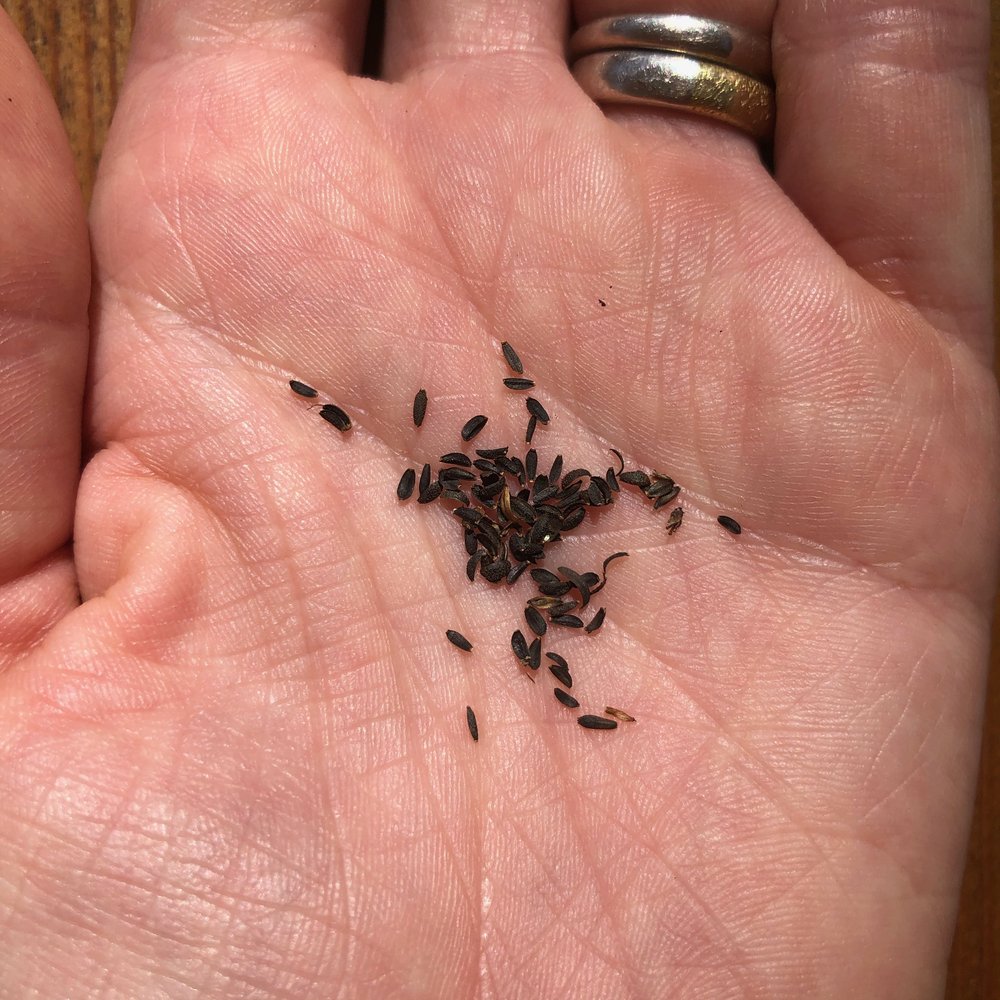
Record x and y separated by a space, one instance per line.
240 766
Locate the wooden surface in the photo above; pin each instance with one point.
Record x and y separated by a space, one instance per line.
81 46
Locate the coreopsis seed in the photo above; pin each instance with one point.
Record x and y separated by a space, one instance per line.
604 570
674 521
473 426
596 622
470 718
568 621
531 463
621 461
730 524
535 654
457 639
612 480
335 415
578 581
519 383
619 714
560 671
556 471
512 359
405 488
492 452
535 621
537 410
635 478
519 644
419 406
431 493
596 722
515 572
567 699
456 458
669 497
425 478
302 389
530 432
544 576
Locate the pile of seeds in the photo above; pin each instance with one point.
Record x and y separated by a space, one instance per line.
510 512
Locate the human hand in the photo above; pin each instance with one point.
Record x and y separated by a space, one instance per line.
240 767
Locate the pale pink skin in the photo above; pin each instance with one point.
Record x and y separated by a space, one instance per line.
241 767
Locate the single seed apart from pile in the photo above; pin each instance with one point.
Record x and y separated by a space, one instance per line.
569 621
519 644
470 718
635 478
519 383
512 359
596 722
561 673
473 427
302 389
336 416
530 432
535 654
729 524
419 407
457 639
535 621
674 521
567 699
537 410
619 714
596 622
405 488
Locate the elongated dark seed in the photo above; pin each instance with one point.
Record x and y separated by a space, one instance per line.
430 494
405 488
470 542
596 722
535 621
419 406
470 718
618 714
544 576
596 622
302 389
544 603
612 480
669 497
515 572
621 461
519 644
535 654
495 571
537 410
569 621
467 514
556 658
455 494
578 582
635 478
519 383
571 521
567 699
512 359
674 521
492 452
659 486
472 565
556 471
530 432
572 476
425 478
456 458
555 589
457 639
592 580
530 463
451 475
473 426
563 608
561 673
336 416
730 524
524 511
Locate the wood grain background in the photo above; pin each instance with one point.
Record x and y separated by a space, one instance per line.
81 46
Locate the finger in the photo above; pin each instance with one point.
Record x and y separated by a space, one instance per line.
44 289
425 33
332 30
882 142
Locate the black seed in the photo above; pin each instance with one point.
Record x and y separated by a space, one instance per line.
556 658
512 359
596 722
544 603
515 572
569 621
544 576
473 426
487 466
674 521
456 494
535 621
535 654
573 476
302 389
467 514
531 463
559 589
669 497
621 461
659 485
561 673
470 718
495 571
519 644
636 478
578 582
457 639
570 521
472 565
563 608
537 410
524 511
405 488
612 480
470 542
596 622
729 524
530 432
430 494
567 699
419 407
336 416
492 452
546 494
556 471
425 478
519 383
594 495
456 458
455 475
619 714
592 580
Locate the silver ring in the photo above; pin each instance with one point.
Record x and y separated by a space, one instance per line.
665 79
685 34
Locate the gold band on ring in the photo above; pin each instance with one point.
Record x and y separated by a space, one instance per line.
665 79
701 37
